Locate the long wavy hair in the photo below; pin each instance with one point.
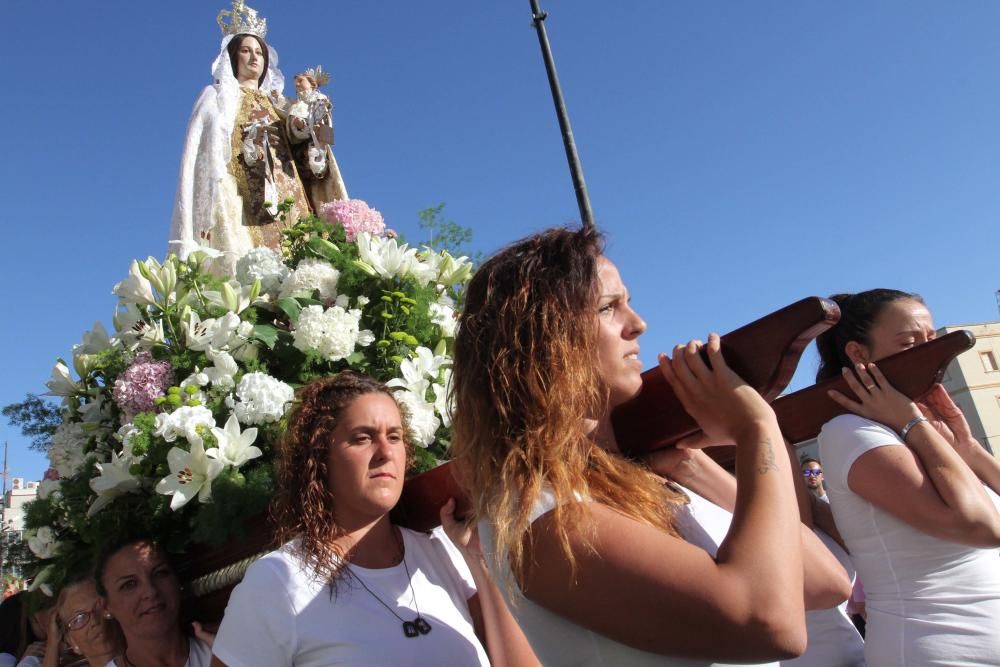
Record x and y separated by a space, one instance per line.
304 504
525 382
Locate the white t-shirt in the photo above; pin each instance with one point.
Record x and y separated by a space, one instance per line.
199 654
929 601
833 639
281 614
558 641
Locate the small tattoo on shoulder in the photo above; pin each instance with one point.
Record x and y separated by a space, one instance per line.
767 463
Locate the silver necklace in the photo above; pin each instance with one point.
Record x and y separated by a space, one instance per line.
411 629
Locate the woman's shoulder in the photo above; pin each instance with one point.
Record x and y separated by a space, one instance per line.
283 565
853 427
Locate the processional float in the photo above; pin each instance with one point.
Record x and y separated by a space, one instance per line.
765 353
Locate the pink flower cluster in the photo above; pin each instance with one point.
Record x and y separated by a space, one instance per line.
355 215
137 389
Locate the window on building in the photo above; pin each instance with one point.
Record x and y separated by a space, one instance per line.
989 361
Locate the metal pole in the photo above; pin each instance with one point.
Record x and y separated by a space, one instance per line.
575 169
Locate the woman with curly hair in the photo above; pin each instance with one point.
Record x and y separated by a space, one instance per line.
347 586
604 563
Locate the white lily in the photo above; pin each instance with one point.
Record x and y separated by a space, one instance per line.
418 371
192 251
234 448
136 288
442 404
213 333
444 317
191 474
94 341
43 543
453 270
234 297
134 330
163 277
385 257
423 422
115 480
61 384
221 373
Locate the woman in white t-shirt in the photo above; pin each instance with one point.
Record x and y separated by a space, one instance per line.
348 587
140 590
603 563
913 495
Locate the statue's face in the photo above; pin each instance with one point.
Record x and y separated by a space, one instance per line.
303 85
249 59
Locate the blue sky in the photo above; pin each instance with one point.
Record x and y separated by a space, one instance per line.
739 155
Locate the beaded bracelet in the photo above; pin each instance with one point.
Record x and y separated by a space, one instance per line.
909 425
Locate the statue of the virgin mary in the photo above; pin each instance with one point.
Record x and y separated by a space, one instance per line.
237 165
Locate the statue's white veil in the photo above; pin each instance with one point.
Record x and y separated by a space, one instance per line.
229 88
206 194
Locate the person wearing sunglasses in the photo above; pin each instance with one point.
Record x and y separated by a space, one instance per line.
813 473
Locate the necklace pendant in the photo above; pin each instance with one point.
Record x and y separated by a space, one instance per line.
422 626
410 629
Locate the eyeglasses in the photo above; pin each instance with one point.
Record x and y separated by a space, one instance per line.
79 620
814 472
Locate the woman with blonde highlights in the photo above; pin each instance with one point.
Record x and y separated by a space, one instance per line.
348 586
604 563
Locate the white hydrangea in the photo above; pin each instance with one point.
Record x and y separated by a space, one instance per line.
260 399
188 422
262 264
332 333
423 422
311 274
43 543
66 453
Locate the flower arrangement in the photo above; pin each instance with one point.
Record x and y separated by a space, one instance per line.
170 423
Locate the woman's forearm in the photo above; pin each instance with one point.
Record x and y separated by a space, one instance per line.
505 642
765 536
958 486
985 466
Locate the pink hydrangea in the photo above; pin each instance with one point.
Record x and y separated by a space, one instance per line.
137 389
355 215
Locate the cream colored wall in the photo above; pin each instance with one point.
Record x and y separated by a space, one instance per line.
975 389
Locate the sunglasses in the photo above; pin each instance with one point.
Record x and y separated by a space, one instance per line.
79 620
812 473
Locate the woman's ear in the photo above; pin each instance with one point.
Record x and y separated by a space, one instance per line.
857 353
102 608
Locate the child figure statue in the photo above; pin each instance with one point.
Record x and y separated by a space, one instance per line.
310 125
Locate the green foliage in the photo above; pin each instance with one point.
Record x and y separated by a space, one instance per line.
447 235
37 418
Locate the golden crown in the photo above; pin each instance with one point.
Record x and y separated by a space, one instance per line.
242 21
319 76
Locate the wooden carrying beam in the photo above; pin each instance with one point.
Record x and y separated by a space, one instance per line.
764 353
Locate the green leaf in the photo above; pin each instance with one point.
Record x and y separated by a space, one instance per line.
267 334
290 307
355 358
